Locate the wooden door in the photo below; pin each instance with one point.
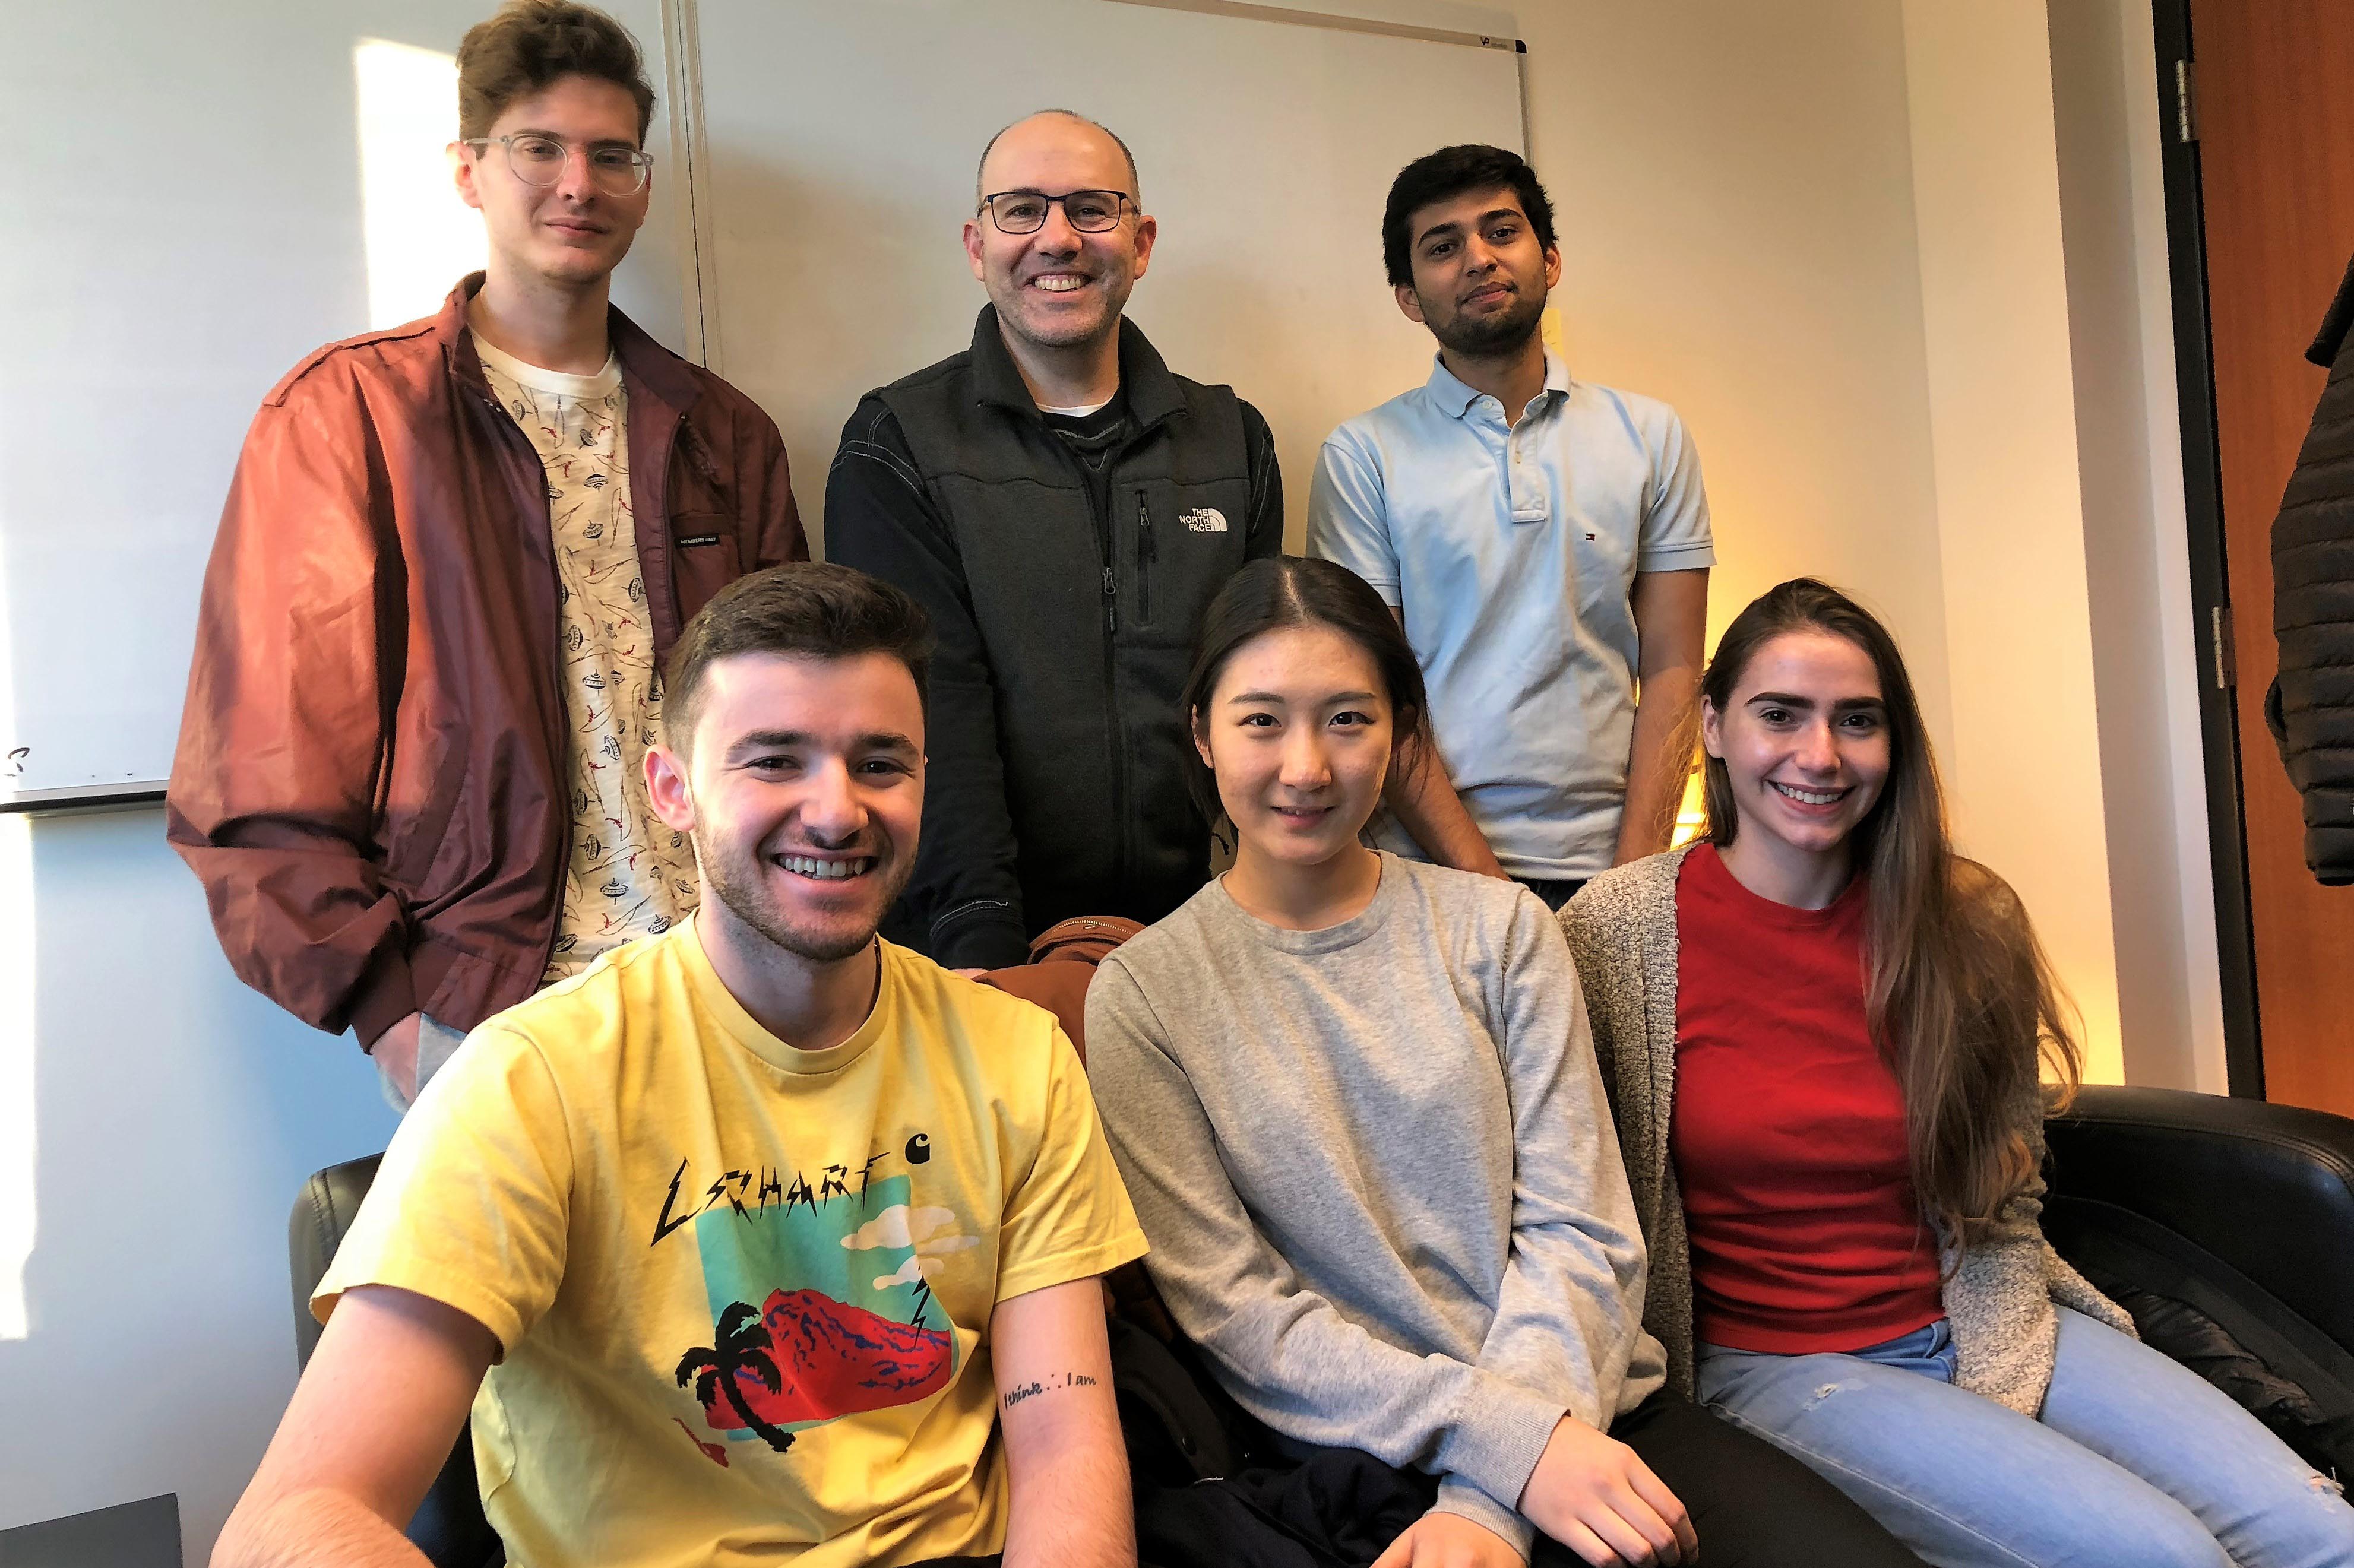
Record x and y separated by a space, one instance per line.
2275 125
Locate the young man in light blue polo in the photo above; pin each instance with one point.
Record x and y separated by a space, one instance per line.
1544 541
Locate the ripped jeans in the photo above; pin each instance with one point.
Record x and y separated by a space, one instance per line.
2136 1461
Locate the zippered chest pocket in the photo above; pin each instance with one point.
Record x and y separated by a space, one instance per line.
1148 550
1183 542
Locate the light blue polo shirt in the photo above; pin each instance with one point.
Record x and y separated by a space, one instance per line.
1512 553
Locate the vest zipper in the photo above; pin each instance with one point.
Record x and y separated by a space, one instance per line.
1118 735
1148 550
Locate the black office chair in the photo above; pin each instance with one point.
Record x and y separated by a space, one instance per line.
449 1527
2226 1226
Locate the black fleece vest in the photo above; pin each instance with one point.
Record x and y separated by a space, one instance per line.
1089 646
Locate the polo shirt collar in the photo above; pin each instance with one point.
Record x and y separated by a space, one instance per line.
1454 399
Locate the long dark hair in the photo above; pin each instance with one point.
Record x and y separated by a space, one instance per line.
1960 997
1288 590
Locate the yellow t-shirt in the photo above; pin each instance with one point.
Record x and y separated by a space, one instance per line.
659 1209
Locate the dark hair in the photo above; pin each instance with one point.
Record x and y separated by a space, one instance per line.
1961 1000
1286 590
980 170
810 609
1453 172
529 45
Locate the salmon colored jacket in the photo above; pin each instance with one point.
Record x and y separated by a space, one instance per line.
370 779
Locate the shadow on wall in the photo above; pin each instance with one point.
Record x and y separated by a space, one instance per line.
19 1207
175 1115
895 294
1238 317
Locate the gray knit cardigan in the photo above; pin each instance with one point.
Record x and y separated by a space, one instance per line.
1622 932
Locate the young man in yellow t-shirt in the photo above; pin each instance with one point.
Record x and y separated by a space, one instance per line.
742 1245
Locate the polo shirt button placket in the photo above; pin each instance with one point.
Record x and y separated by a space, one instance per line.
1525 508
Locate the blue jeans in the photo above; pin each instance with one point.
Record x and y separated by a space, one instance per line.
2135 1461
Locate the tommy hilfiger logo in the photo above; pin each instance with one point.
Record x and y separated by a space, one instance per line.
1204 520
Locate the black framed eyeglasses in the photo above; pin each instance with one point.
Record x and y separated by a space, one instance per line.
539 160
1024 212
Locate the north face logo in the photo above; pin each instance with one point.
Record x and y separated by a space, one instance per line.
1204 520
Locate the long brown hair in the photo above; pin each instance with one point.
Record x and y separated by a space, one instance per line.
1960 998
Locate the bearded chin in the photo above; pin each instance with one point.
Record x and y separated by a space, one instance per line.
737 885
1496 335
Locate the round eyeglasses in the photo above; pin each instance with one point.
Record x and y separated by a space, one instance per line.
1024 212
539 160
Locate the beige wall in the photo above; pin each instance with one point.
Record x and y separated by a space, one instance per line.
2145 651
2025 763
1735 188
1902 268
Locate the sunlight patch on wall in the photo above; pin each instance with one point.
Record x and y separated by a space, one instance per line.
19 1152
421 238
1691 814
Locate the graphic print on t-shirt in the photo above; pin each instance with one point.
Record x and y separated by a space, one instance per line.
821 1303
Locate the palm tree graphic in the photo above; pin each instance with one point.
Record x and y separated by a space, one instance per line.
744 1346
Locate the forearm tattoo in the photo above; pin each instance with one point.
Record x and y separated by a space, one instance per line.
1053 1385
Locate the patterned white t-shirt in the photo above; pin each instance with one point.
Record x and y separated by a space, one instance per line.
628 874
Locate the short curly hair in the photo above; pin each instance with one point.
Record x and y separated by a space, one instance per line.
530 45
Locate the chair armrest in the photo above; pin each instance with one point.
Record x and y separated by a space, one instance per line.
322 1213
2267 1189
449 1527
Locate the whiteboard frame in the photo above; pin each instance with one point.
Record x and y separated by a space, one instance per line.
699 281
683 55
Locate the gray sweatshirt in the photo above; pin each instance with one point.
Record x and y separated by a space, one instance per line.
1379 1175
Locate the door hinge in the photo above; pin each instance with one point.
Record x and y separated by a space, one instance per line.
2227 662
2186 101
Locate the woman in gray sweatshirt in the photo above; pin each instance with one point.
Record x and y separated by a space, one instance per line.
1356 1106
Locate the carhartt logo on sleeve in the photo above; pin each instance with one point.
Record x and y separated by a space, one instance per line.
1204 520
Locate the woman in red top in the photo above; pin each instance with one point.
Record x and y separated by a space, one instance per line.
1823 1029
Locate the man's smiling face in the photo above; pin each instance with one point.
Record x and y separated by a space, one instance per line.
802 792
1480 274
1058 287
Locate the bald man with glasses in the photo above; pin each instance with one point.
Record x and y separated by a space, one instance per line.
409 771
1065 507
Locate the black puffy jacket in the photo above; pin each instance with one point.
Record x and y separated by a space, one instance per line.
2311 704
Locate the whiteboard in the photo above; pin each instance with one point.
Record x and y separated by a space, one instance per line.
203 202
200 197
836 168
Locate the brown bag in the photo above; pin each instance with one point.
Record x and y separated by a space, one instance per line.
1063 959
1061 962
